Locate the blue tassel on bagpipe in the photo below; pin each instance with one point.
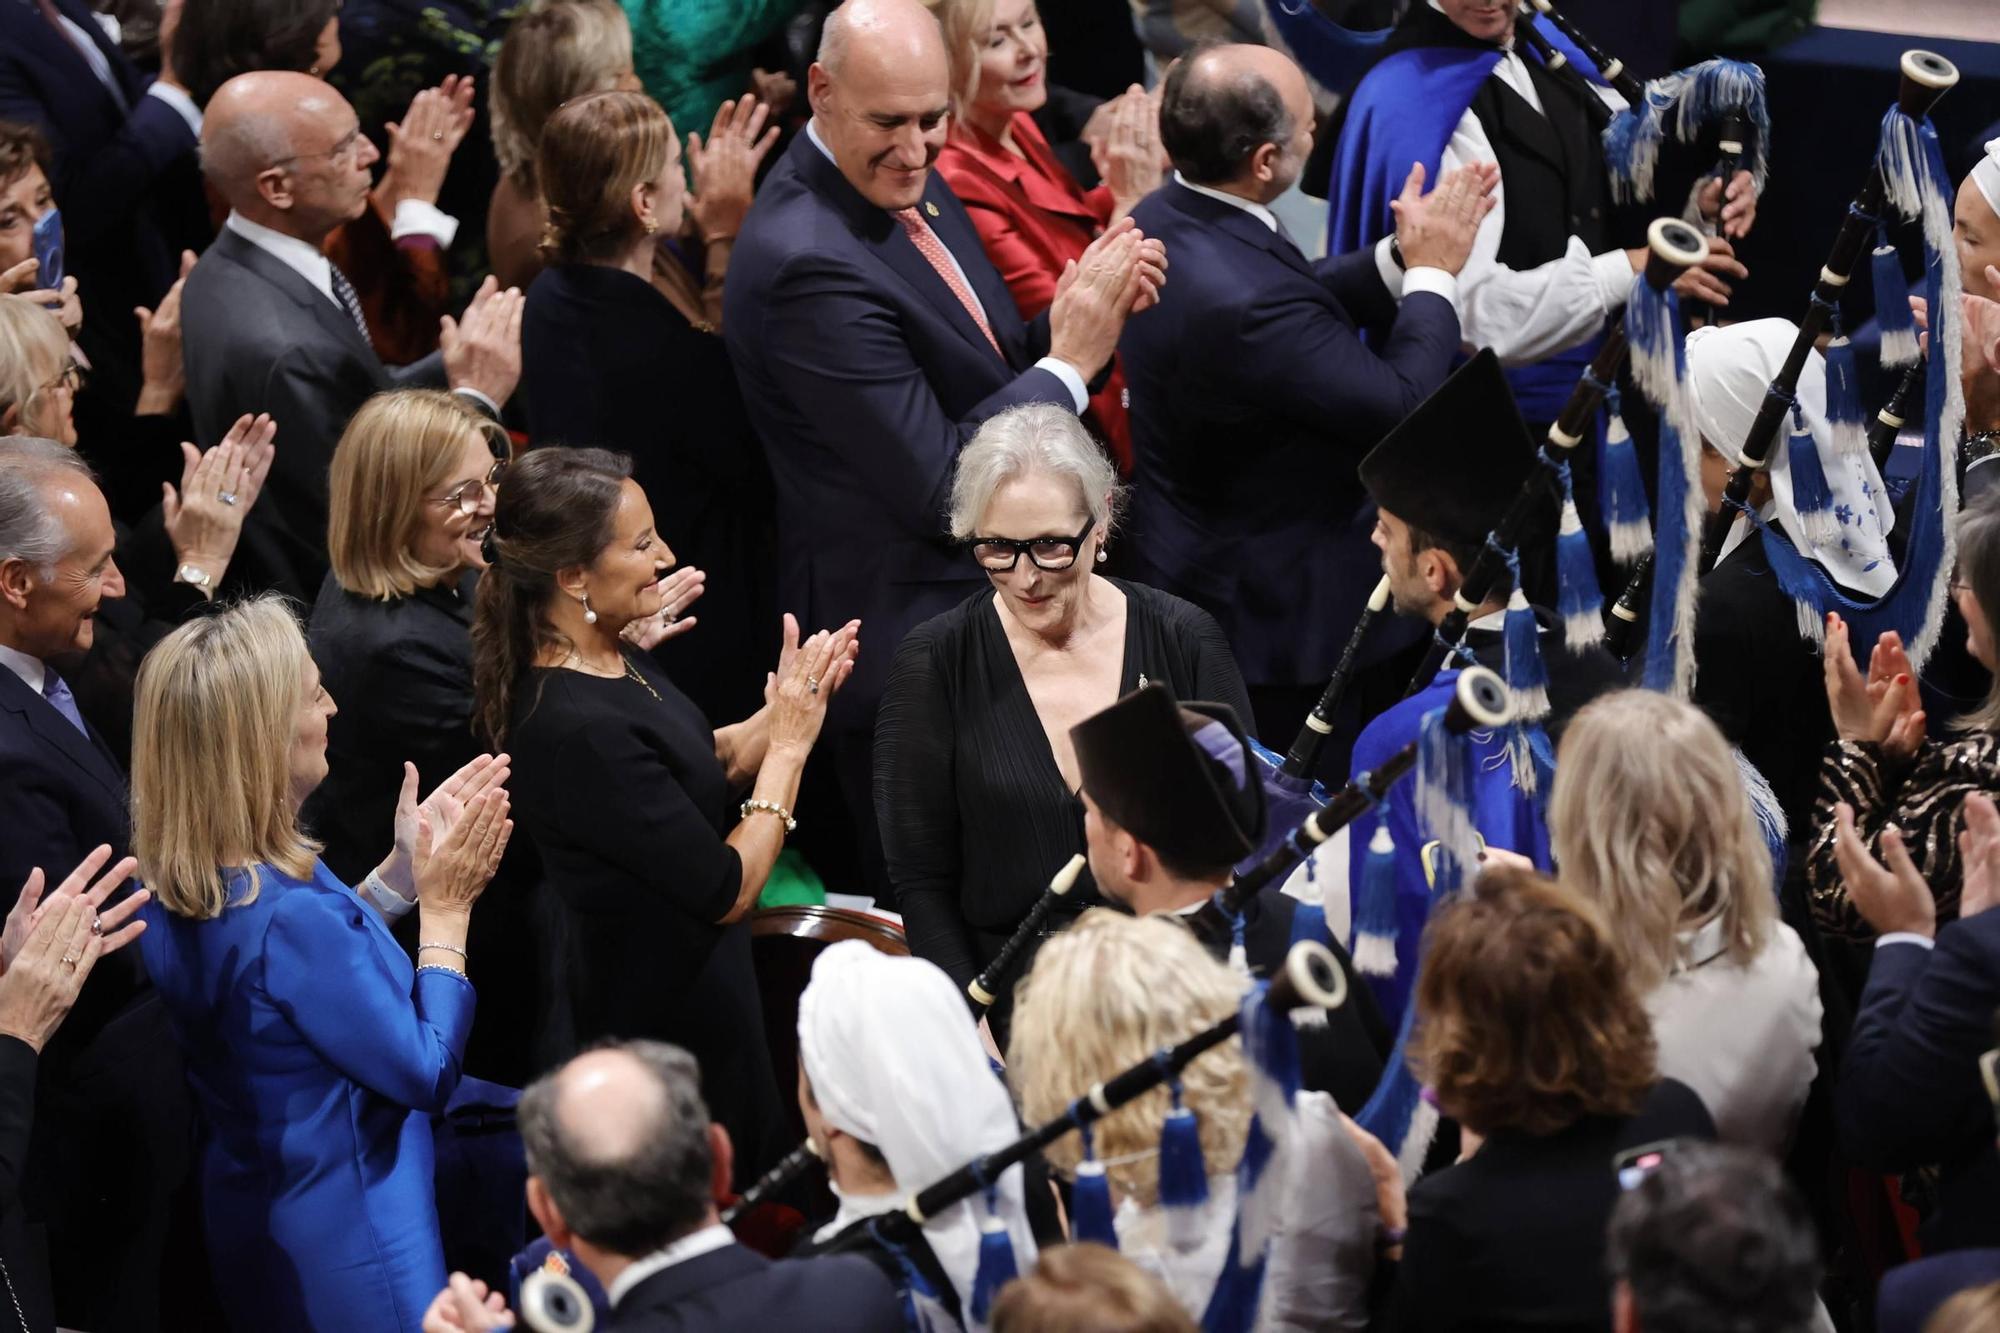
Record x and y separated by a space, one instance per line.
1183 1175
1694 98
1444 796
1090 1210
1812 494
923 1309
1527 675
1892 305
1772 825
997 1265
1621 488
1398 1113
1844 413
1579 601
1659 368
1374 949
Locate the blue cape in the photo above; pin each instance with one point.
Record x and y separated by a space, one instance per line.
1504 816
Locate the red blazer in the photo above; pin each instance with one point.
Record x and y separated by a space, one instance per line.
1033 218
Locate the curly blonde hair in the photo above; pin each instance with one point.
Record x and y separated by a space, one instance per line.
1661 836
1101 997
1525 1019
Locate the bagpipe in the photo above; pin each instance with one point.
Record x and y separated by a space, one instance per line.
990 984
793 1167
1311 979
1906 180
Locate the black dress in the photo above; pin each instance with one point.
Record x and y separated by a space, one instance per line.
974 813
1512 1238
400 673
618 784
610 363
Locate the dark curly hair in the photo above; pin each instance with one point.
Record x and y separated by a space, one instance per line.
1524 1018
219 39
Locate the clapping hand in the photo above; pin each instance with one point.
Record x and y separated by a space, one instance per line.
809 674
420 147
66 304
1894 899
443 810
1127 153
163 371
483 352
1436 230
1979 856
218 489
722 171
1118 275
678 591
115 926
466 1306
1883 709
49 972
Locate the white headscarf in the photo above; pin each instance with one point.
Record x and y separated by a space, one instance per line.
1728 370
1986 176
895 1060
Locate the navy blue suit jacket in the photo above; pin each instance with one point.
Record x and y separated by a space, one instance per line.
1253 398
109 163
1910 1092
257 337
735 1288
865 376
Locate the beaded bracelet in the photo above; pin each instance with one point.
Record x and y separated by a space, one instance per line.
448 948
770 808
440 967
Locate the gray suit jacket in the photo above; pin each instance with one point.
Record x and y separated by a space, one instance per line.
257 337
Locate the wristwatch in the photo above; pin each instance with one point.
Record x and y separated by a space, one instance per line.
195 576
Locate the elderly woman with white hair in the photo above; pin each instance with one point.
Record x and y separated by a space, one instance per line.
975 777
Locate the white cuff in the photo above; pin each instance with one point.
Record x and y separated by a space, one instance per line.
1906 937
414 217
1072 381
1434 280
1385 264
179 100
1613 271
391 904
492 408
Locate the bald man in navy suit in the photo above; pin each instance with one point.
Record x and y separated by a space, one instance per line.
873 337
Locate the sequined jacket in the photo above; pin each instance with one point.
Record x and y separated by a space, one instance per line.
1921 796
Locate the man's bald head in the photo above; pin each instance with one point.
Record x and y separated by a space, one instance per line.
620 1140
1224 104
261 122
880 92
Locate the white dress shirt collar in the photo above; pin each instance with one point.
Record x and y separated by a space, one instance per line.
301 257
29 669
854 1207
1254 209
710 1238
812 132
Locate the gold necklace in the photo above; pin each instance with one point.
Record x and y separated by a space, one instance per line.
632 673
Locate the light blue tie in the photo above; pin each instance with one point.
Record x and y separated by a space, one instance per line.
57 692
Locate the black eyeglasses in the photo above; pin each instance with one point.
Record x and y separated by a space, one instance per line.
997 555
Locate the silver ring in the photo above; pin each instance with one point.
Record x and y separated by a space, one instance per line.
812 683
227 497
96 926
437 138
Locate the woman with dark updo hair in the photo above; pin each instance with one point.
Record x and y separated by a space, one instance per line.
650 850
612 363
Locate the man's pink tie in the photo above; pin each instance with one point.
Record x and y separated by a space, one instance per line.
931 248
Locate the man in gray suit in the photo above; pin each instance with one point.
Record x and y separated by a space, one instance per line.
270 325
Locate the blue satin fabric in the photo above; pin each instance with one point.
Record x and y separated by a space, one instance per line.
317 1053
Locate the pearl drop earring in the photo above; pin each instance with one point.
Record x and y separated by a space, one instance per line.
1101 556
589 616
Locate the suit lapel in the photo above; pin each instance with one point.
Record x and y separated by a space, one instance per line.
885 239
55 731
330 317
1529 129
1048 186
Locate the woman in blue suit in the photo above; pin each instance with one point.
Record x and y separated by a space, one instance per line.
315 1049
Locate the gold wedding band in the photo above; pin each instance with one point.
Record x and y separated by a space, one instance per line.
69 961
812 683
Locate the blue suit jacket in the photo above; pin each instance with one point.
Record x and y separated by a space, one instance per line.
737 1288
865 376
1253 398
109 163
317 1054
1910 1093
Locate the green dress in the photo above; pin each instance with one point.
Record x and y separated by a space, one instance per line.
693 55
